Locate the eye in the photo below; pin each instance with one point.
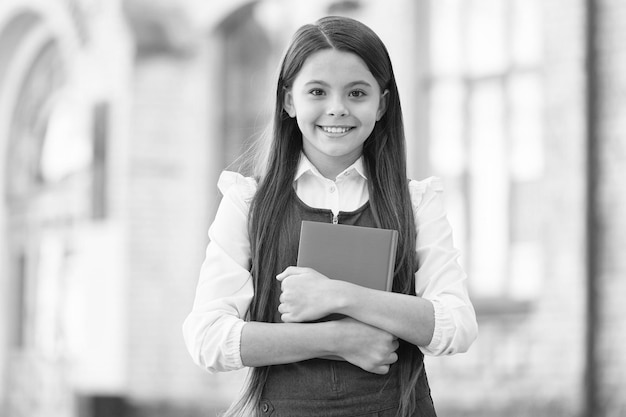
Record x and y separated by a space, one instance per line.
357 93
316 92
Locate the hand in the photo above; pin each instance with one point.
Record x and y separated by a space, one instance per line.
306 295
365 346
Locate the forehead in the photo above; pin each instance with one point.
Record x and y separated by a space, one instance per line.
334 67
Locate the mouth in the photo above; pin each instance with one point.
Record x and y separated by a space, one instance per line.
336 129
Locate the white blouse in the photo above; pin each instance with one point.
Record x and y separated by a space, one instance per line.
212 331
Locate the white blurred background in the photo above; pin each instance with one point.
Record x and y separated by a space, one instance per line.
117 116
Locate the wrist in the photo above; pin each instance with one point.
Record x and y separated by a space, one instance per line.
333 338
346 295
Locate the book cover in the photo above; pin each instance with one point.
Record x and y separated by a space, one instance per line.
361 255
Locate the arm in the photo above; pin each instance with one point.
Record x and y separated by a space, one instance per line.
279 343
212 330
441 319
216 335
365 346
308 295
408 317
440 279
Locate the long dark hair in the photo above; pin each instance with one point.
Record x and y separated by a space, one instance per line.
385 160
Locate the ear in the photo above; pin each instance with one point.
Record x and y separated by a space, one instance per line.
288 104
382 105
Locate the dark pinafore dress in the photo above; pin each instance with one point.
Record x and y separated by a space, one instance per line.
328 388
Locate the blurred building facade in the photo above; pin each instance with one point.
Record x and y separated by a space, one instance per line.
117 117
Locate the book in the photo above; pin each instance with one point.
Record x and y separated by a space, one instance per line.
361 255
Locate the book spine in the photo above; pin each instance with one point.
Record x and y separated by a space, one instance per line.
392 260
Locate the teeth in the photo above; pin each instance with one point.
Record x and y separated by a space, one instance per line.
335 129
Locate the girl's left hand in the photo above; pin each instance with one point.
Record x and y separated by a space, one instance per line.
306 295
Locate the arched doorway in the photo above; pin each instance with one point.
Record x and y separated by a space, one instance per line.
46 189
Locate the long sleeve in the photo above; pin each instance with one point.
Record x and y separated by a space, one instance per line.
440 278
212 331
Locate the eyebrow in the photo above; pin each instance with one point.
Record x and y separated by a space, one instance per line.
350 84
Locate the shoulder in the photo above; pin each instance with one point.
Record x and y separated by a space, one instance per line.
235 186
421 190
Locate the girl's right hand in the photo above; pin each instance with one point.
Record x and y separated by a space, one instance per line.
367 347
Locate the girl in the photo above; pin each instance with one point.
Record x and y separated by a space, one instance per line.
337 154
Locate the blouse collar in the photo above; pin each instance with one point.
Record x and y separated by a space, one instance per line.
305 166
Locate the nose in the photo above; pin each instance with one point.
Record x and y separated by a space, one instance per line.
337 107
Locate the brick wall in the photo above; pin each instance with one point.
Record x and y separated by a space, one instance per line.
171 194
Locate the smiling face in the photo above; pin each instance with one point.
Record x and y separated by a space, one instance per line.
336 102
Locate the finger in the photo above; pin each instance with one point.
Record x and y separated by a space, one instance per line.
395 344
381 370
291 270
393 358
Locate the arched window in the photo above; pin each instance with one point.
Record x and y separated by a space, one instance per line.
25 173
32 74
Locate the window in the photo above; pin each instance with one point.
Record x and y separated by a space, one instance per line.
247 67
485 102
